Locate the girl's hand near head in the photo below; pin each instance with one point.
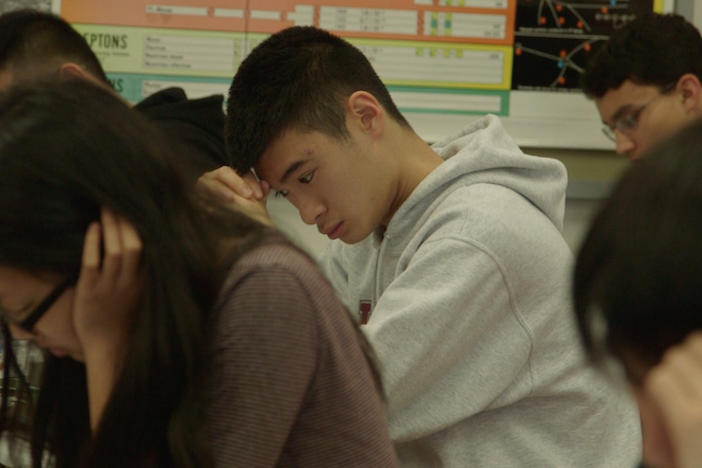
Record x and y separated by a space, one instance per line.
107 293
109 287
675 385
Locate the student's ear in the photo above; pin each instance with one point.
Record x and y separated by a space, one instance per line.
73 70
367 111
691 90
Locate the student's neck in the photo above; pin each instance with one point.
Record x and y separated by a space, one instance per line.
415 161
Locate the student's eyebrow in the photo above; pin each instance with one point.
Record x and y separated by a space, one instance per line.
292 168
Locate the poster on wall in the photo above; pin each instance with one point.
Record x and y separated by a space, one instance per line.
445 62
9 5
553 42
554 39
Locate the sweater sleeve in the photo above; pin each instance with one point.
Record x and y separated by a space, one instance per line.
265 357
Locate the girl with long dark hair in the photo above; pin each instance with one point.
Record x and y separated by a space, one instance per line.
178 333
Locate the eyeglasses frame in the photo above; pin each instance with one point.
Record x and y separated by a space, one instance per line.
28 322
632 118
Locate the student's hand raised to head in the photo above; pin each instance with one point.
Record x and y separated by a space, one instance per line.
243 193
107 293
110 283
675 385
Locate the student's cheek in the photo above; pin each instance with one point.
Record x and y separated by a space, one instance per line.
656 443
57 326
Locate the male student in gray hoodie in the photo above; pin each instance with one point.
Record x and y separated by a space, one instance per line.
450 256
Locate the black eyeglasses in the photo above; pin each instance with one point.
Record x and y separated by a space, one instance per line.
28 323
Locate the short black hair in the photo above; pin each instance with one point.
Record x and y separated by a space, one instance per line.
32 40
653 49
296 78
637 285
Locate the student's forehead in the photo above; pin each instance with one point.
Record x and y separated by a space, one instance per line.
289 148
272 166
630 90
628 94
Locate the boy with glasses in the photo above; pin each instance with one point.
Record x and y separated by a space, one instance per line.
645 81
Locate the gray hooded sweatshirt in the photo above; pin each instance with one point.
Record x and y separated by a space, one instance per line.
466 295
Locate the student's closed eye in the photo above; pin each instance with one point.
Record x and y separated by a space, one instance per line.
307 178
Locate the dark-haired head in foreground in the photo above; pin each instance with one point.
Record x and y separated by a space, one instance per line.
638 277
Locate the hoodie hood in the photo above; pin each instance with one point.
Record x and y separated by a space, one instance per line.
484 153
198 124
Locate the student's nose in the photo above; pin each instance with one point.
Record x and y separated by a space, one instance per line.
310 210
625 145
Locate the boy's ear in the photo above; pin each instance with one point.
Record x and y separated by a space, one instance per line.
71 70
691 89
365 109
